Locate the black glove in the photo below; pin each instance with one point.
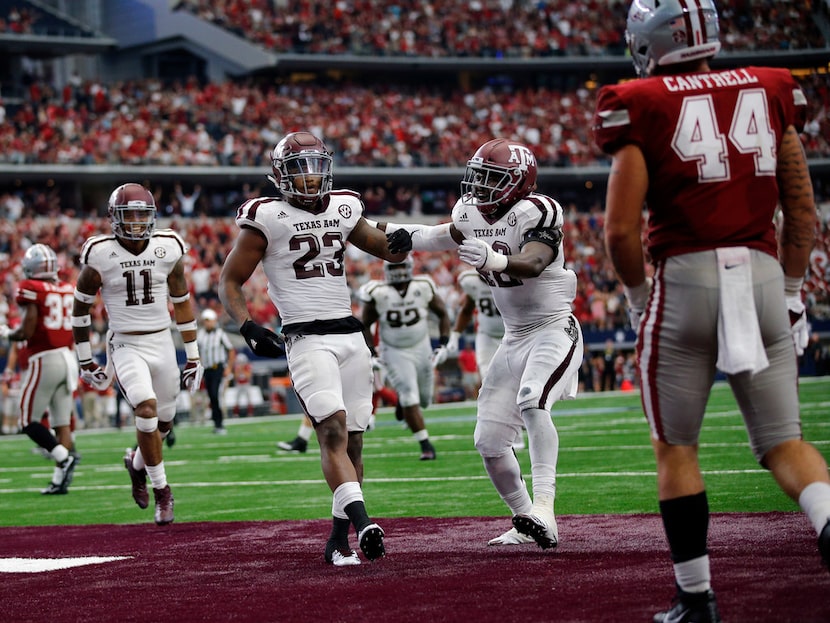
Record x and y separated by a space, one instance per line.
262 341
399 241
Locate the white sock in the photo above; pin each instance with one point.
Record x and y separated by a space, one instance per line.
693 576
59 453
138 460
305 432
506 476
543 445
344 495
158 477
815 502
421 435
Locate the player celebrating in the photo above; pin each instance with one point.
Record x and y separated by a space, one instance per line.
300 239
513 237
138 270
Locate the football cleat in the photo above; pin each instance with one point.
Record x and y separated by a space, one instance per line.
67 468
164 506
340 556
691 608
139 480
54 489
511 537
427 451
298 444
371 542
542 530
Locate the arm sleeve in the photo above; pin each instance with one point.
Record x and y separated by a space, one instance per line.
427 237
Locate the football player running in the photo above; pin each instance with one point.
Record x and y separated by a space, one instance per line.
712 154
401 306
300 240
52 373
139 270
513 237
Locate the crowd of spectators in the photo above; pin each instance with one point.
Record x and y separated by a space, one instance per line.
483 28
237 124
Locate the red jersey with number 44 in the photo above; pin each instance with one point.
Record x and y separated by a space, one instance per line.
710 142
54 313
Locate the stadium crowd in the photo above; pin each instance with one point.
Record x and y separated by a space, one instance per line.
236 124
483 28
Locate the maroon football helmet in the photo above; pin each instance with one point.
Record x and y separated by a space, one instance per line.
499 174
132 212
301 164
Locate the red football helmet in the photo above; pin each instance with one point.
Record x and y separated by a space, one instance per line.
499 174
132 212
302 169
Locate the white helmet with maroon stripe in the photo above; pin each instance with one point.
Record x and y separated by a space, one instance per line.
666 32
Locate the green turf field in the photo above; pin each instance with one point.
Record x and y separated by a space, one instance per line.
605 466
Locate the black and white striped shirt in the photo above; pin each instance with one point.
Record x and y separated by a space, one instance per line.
214 347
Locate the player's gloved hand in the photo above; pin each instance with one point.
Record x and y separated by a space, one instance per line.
637 297
262 341
399 241
377 363
452 344
481 255
4 331
192 375
95 375
439 356
799 326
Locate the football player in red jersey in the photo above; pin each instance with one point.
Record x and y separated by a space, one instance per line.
711 154
139 271
52 373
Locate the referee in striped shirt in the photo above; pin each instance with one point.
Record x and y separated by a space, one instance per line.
218 354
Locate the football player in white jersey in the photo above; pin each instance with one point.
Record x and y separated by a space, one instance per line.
489 325
478 299
513 237
300 240
139 271
401 306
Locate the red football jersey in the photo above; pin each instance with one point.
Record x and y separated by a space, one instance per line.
710 142
54 313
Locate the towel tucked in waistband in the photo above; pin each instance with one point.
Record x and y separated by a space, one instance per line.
740 347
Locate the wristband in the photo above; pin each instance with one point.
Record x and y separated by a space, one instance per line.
84 352
81 321
187 326
180 299
792 285
83 297
191 349
444 340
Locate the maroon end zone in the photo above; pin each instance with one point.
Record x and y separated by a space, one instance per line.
607 568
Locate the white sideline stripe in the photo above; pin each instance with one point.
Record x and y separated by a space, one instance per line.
290 483
39 565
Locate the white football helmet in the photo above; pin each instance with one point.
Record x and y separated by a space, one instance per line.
400 272
666 32
40 262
